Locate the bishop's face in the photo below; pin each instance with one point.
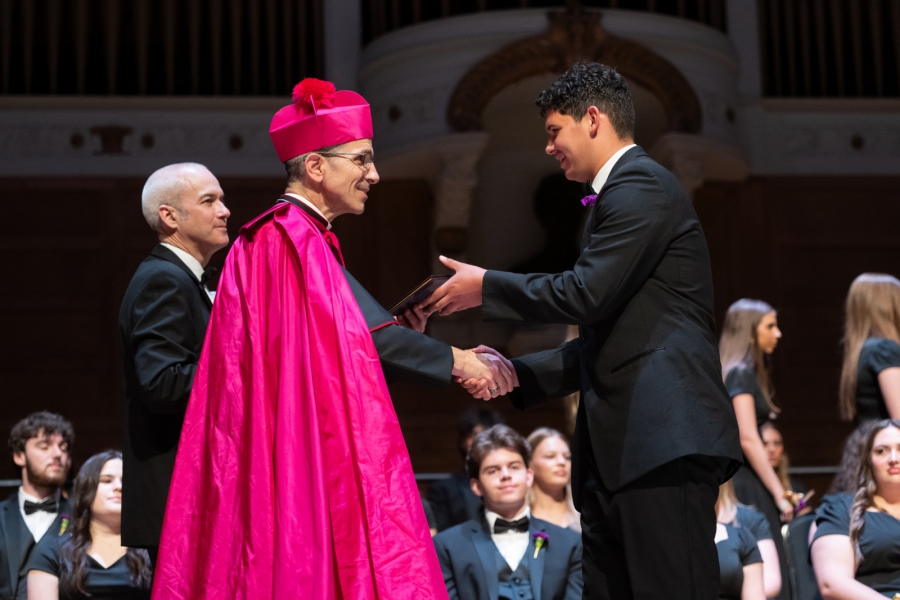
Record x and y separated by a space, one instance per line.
348 179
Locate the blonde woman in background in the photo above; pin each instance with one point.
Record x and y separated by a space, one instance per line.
741 564
550 497
749 334
870 377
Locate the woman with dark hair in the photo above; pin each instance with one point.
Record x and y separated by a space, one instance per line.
856 548
90 561
870 377
749 334
550 496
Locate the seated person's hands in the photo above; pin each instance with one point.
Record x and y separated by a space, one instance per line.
487 374
413 318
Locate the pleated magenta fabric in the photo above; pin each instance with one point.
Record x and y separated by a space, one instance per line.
292 478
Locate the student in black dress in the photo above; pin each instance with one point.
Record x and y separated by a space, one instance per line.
856 548
870 377
89 561
730 511
749 334
740 562
778 458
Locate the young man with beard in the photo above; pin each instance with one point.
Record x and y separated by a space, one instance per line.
41 446
506 553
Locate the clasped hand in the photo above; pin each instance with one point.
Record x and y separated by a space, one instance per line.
484 372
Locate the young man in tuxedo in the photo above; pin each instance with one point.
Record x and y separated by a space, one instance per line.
41 445
162 323
498 556
655 431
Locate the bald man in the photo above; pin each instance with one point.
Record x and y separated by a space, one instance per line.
162 323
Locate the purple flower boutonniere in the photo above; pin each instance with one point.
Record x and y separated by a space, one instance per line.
540 539
589 199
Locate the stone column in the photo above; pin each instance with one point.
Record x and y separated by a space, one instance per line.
453 192
694 159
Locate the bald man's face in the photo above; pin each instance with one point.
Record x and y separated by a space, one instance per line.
203 216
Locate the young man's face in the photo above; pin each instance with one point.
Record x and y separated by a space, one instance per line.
568 141
502 481
45 461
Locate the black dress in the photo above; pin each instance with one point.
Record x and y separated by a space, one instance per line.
113 583
877 354
879 542
748 486
735 553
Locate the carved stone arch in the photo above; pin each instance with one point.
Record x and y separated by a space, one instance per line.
573 36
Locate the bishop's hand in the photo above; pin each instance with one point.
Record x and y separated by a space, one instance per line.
486 374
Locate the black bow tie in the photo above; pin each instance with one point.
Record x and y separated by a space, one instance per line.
50 505
208 275
502 525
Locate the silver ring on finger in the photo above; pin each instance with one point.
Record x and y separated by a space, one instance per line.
494 390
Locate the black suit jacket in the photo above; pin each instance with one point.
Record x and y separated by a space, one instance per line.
17 543
162 323
647 361
467 556
453 501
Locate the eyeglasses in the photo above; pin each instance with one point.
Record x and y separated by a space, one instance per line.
363 160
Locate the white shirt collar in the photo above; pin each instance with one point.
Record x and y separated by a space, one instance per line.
23 496
37 522
190 262
309 204
603 175
492 516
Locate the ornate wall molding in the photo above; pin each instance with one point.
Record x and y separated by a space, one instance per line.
573 36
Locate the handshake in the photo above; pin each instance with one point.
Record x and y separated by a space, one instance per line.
484 372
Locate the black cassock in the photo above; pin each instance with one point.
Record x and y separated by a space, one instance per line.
162 324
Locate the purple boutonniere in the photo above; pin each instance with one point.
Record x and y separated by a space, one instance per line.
589 199
540 538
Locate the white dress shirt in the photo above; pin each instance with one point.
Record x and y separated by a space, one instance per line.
39 521
309 204
511 544
193 264
603 175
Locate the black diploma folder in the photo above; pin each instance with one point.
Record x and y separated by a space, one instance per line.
419 293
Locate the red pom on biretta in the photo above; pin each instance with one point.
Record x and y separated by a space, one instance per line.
313 94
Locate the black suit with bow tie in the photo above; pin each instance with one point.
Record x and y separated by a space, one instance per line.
17 543
473 567
162 324
655 431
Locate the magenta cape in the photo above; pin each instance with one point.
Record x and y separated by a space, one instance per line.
292 478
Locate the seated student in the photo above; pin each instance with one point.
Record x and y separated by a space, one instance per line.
507 554
856 548
41 445
452 499
550 497
740 563
89 561
756 522
773 442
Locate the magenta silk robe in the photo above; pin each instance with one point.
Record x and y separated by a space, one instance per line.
292 478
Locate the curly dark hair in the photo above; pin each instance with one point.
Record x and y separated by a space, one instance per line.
588 84
866 487
73 552
38 424
495 438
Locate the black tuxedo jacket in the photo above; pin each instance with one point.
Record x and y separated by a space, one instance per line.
453 501
467 556
162 323
16 544
647 361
